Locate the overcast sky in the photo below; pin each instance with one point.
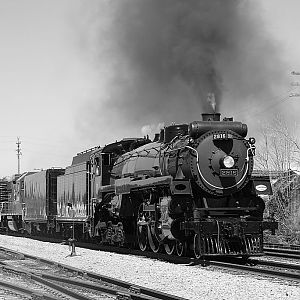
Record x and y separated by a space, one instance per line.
47 79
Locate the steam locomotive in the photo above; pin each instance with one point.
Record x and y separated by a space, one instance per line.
190 190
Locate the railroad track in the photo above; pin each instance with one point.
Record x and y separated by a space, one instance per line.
280 250
270 268
282 270
276 250
286 253
282 246
29 277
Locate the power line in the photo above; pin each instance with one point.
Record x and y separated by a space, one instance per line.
270 104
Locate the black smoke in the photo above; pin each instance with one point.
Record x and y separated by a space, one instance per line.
159 60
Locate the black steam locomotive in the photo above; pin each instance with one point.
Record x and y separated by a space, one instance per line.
189 190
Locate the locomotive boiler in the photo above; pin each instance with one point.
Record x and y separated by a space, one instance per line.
190 190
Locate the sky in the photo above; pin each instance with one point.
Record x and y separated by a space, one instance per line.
76 74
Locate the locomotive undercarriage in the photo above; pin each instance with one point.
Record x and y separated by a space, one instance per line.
202 238
186 233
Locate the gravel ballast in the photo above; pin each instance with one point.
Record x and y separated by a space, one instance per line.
190 282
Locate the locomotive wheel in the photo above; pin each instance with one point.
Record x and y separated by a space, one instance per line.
153 241
197 246
181 248
169 247
142 237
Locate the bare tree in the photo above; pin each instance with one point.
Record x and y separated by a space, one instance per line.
278 152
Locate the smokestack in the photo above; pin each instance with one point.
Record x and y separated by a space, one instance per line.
211 117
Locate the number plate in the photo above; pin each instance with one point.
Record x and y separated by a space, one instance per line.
228 172
222 136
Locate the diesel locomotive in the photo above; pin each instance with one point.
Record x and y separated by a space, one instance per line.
190 190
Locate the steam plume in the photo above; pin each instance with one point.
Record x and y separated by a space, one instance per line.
160 59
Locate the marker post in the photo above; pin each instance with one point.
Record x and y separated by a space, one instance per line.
72 240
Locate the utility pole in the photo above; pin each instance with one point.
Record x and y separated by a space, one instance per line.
19 153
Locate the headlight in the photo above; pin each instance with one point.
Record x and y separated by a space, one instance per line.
228 162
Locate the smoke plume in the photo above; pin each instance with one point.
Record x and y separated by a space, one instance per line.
166 60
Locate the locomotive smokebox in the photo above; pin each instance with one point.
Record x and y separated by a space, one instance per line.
211 117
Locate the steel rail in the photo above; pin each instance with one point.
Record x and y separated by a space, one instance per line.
284 274
239 264
282 246
133 291
41 295
286 253
18 290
